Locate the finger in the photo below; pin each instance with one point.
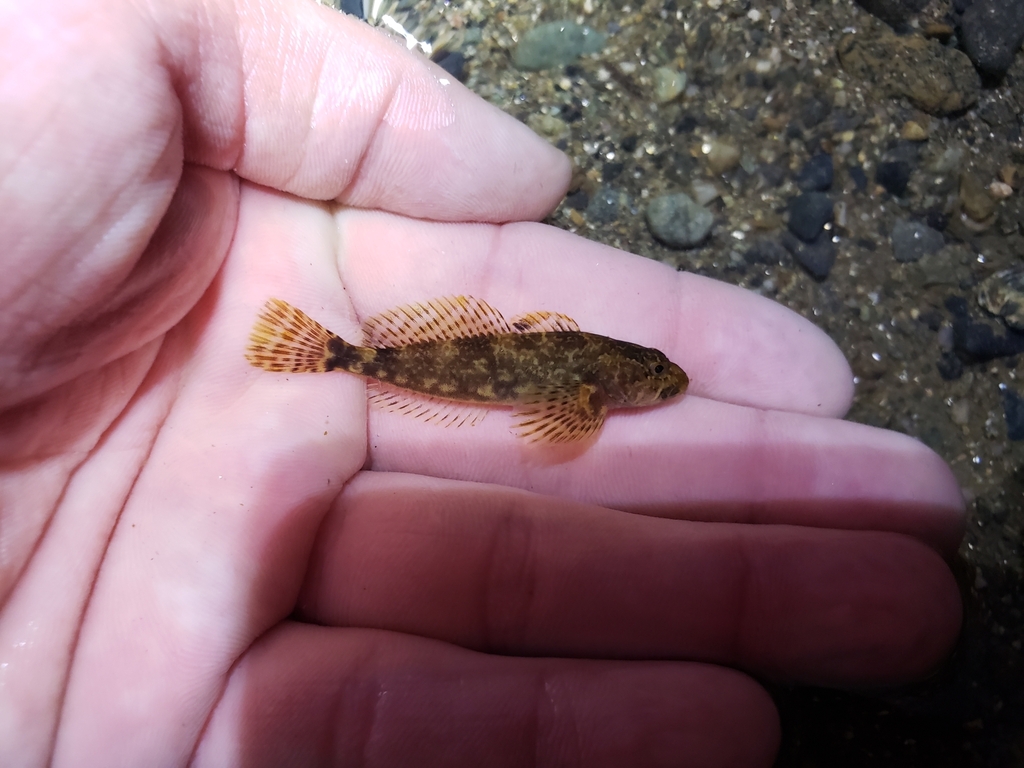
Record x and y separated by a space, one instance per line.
698 459
735 346
211 541
503 571
298 97
72 306
103 106
309 695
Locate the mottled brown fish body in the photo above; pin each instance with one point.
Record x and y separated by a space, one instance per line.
498 369
560 380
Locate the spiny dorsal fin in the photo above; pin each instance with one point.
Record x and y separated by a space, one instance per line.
567 413
535 322
435 410
453 317
287 339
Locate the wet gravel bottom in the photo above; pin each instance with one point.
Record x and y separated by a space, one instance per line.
765 96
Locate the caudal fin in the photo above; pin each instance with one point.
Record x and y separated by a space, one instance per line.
287 339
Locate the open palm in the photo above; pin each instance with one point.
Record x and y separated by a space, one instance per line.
201 561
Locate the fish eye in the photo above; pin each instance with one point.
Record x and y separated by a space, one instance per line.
658 368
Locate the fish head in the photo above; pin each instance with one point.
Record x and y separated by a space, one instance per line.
640 376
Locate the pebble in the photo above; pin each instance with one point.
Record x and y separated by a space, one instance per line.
976 201
977 341
678 221
894 176
1003 294
547 125
704 191
960 413
603 208
911 240
766 251
913 131
1013 409
556 44
817 174
991 32
935 79
668 83
808 215
452 62
722 157
817 258
950 367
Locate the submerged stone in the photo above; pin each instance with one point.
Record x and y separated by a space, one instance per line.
556 44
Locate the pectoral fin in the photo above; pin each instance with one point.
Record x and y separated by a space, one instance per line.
560 414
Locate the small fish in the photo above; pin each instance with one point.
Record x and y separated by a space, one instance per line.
443 360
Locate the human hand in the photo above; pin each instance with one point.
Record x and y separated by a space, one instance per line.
202 561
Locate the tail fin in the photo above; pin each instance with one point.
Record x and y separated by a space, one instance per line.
287 339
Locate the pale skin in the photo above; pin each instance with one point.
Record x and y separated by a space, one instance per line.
201 562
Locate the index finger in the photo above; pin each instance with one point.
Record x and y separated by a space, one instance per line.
735 346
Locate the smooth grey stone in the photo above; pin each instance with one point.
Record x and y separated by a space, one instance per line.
556 44
911 240
678 221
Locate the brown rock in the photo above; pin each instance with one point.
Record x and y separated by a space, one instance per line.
937 80
975 199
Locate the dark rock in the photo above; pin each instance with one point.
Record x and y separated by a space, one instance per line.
352 8
937 220
578 200
766 251
686 124
611 171
604 207
816 175
931 319
992 32
817 257
814 110
452 62
1013 409
950 367
894 175
978 342
858 177
892 12
808 215
956 305
772 174
911 240
629 143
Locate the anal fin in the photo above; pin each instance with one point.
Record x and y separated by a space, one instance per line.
561 414
435 410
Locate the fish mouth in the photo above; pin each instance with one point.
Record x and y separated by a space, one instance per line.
670 391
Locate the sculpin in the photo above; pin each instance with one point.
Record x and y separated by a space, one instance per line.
442 360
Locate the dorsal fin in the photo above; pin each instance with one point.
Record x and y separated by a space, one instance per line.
535 322
452 317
